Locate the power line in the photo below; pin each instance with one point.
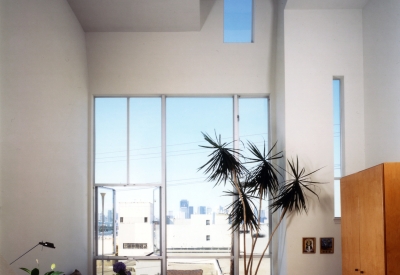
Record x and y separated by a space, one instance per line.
177 144
202 151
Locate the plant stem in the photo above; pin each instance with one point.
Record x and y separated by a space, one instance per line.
256 238
232 270
244 219
270 238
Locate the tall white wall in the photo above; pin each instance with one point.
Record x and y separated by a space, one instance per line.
277 128
381 26
190 63
321 44
44 137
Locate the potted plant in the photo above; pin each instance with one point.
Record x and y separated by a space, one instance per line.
35 271
228 165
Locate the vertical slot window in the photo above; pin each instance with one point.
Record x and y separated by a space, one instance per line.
238 21
337 141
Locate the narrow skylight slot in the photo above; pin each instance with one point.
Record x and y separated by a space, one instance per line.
337 142
238 21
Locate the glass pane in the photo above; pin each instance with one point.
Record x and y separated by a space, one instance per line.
136 267
253 127
110 140
137 221
253 123
337 198
238 21
208 266
337 128
263 269
337 143
105 222
145 140
138 216
191 200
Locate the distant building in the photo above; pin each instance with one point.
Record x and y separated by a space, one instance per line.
184 210
184 203
136 227
263 218
202 233
191 211
170 219
110 216
202 210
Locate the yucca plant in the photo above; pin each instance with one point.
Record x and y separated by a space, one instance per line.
224 165
227 165
262 180
292 195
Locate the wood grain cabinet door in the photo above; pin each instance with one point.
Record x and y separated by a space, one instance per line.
392 217
371 215
371 221
350 227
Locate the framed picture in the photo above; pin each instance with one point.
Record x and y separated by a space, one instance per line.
309 245
326 245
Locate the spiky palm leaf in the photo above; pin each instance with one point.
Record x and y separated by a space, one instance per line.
263 177
236 214
292 194
223 161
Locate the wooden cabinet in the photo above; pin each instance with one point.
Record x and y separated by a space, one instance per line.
370 205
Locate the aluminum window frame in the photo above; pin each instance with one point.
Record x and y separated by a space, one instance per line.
163 190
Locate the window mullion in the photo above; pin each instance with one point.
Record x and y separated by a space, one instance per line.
236 243
163 242
127 140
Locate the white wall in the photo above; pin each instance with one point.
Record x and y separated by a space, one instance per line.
183 62
381 25
320 44
44 138
277 129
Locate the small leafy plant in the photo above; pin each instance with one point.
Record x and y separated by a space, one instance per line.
120 269
35 271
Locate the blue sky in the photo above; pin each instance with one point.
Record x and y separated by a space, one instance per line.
238 21
186 119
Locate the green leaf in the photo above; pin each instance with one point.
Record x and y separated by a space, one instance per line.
57 272
292 194
236 215
263 179
223 161
35 271
25 269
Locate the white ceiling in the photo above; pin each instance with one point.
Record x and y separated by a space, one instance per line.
168 15
141 15
325 4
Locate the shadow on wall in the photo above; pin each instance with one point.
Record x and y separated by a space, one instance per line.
205 8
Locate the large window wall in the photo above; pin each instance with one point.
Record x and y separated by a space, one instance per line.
154 210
